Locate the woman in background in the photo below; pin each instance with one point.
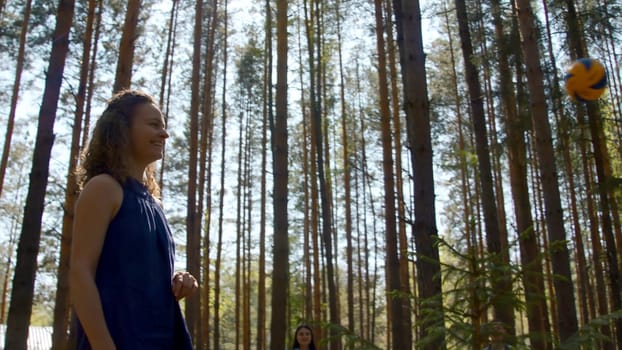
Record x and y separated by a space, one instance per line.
303 338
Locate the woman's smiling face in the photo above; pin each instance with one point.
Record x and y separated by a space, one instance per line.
304 336
147 134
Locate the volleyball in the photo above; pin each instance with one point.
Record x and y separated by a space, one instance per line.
586 79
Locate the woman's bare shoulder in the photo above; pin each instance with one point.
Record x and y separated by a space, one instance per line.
102 191
102 182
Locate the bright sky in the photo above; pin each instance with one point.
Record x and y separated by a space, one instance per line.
240 14
30 97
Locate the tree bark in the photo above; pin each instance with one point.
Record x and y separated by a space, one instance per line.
280 272
19 67
123 76
586 301
399 335
165 82
346 179
193 218
266 116
62 304
500 282
416 106
603 171
405 280
533 283
239 229
476 308
560 257
315 93
28 247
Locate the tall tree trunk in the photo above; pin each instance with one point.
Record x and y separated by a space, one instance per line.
123 76
193 218
491 121
613 70
399 335
204 335
7 142
405 280
318 313
311 164
586 296
319 294
346 178
238 300
322 178
218 263
168 55
28 248
560 257
280 272
19 67
266 117
309 225
217 267
205 180
207 288
529 252
367 202
416 106
9 260
500 281
606 200
61 306
603 171
598 257
360 279
217 279
543 240
469 232
321 95
523 113
373 314
246 312
360 215
165 82
595 238
90 85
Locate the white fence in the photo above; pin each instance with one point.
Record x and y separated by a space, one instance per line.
39 338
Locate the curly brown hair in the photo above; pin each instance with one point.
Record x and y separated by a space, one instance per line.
107 151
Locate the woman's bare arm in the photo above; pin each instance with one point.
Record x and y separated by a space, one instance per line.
96 207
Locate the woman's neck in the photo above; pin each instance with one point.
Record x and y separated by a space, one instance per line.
304 347
137 172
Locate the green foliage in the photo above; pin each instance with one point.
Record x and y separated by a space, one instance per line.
350 340
430 315
40 26
602 20
468 295
589 335
249 71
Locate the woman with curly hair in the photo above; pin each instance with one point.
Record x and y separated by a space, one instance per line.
123 285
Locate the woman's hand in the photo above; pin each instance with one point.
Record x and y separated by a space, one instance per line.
183 284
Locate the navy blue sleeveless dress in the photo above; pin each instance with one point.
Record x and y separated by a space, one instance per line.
134 278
